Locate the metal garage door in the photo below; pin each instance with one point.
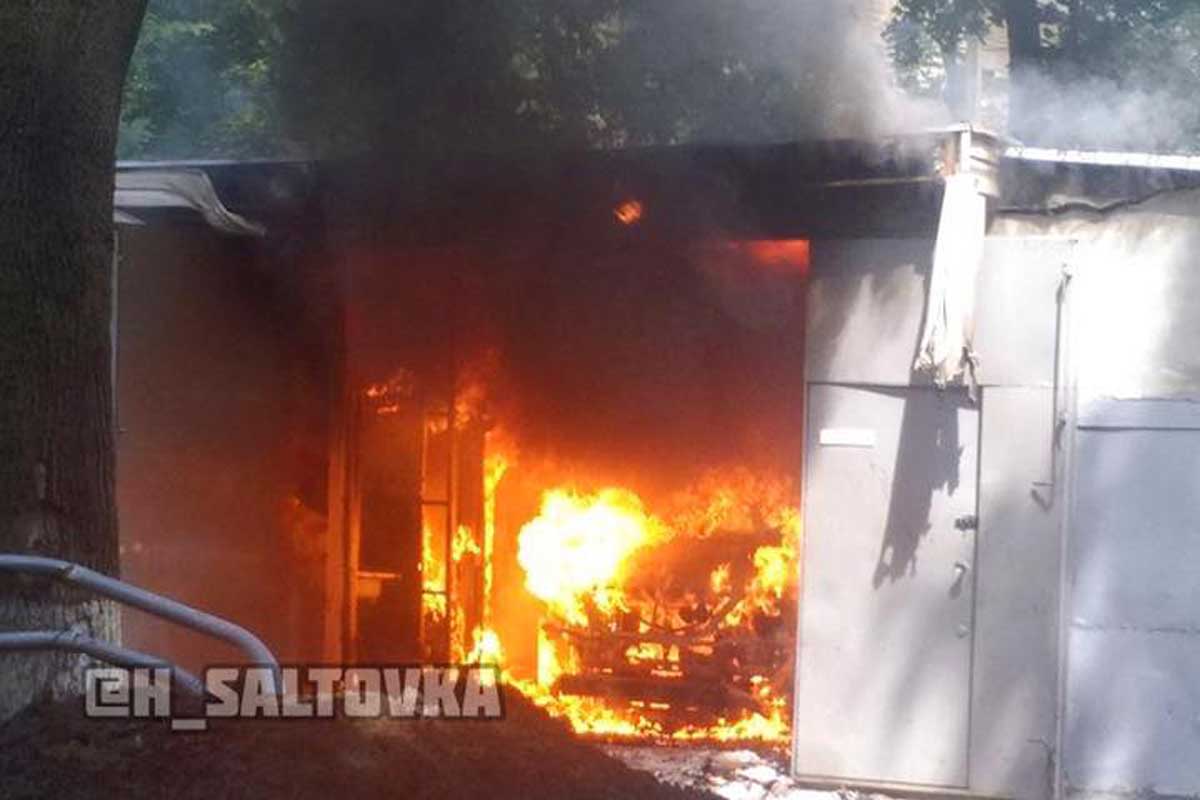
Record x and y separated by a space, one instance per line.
884 674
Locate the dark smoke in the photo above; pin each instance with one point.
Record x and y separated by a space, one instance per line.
456 76
648 357
642 365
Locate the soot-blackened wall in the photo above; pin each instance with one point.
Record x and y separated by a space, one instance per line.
222 449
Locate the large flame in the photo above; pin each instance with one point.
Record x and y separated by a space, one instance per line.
578 556
495 465
576 548
610 573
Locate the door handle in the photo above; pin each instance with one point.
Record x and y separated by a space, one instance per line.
961 568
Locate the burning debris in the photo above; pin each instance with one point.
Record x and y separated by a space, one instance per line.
596 450
677 628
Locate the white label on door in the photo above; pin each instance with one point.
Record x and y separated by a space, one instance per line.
847 437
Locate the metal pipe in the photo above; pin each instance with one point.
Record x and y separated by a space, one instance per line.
1175 163
76 642
216 627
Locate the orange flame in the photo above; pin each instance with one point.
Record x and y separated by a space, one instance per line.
464 543
577 555
485 647
579 545
629 212
495 465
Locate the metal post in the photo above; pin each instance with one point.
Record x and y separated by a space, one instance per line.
76 642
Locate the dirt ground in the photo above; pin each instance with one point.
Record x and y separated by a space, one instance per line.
53 752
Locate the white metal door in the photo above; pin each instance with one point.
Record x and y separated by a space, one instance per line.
884 673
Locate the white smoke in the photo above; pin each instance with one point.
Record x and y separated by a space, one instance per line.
1103 114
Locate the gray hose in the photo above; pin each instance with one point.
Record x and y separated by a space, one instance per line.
75 642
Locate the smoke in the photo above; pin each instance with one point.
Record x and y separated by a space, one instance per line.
1118 83
642 364
1149 108
661 358
454 76
438 77
665 360
767 69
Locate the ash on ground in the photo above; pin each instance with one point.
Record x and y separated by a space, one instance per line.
730 774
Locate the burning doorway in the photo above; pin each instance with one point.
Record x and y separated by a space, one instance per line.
582 461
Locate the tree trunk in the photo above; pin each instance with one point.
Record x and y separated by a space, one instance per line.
62 69
1025 53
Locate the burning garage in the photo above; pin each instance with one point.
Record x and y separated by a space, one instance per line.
879 452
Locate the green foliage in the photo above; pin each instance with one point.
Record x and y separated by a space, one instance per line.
201 83
926 37
236 78
1114 38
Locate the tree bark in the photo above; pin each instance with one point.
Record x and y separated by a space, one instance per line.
62 70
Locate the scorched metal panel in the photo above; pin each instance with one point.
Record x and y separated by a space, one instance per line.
866 302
